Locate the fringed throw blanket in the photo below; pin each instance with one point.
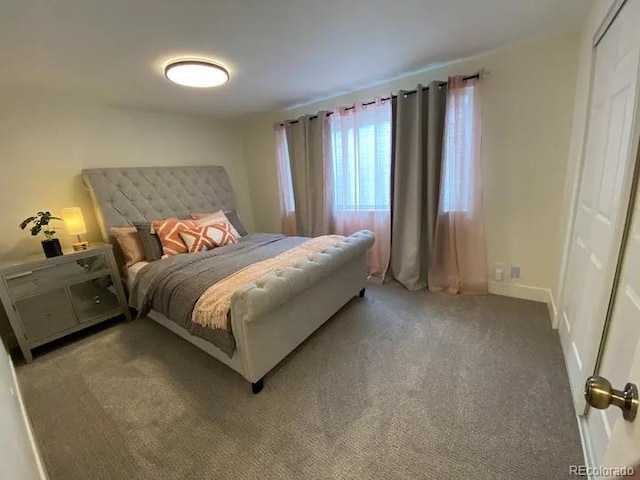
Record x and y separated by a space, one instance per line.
195 290
212 308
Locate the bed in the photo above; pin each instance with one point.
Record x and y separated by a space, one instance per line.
268 317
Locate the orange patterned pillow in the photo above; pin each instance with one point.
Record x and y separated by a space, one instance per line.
168 232
199 239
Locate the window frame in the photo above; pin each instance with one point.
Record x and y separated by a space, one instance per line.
355 206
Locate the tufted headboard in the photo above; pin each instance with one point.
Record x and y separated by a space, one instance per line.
122 196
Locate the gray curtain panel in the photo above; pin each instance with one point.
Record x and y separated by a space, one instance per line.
309 144
418 129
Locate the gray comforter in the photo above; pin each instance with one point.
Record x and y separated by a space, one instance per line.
173 286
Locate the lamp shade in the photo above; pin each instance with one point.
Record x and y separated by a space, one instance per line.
73 221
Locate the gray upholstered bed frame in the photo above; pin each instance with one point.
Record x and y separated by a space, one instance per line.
270 317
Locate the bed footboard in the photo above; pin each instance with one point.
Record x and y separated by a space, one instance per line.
258 298
273 315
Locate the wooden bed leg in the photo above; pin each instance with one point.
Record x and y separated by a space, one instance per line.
256 388
361 294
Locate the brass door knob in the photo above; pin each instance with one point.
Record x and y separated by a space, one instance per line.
599 394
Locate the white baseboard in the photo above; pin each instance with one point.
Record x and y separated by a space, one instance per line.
517 290
526 292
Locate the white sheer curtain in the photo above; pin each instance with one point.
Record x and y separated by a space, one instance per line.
287 205
458 260
361 168
355 162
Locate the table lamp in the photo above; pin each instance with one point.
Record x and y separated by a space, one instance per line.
74 225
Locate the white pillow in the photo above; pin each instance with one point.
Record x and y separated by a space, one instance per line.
218 217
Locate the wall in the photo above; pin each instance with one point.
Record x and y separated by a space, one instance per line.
527 109
46 140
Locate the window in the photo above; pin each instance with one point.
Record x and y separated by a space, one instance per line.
358 161
355 160
458 175
284 172
361 159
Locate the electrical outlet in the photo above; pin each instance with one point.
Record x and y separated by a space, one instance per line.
498 273
515 272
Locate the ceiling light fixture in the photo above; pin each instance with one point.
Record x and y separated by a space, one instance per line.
196 73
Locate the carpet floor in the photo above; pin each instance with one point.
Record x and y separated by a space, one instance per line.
397 385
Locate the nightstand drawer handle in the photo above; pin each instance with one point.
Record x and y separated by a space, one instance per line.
18 275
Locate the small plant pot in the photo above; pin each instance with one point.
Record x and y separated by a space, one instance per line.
51 248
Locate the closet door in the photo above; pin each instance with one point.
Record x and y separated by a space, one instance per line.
613 440
602 209
18 455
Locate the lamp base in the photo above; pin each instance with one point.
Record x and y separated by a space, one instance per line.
79 246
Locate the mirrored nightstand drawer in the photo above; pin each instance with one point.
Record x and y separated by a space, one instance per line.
28 282
44 315
22 283
67 270
94 298
93 264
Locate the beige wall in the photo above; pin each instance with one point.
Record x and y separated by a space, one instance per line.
527 110
45 141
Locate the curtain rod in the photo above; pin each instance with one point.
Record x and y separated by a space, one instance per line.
408 92
411 92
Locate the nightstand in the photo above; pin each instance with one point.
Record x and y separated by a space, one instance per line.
48 298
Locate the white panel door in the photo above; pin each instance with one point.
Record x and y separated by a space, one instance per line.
610 433
603 199
18 458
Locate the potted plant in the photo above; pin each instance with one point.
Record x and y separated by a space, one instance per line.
40 220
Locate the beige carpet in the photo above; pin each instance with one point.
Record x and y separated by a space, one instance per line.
397 385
